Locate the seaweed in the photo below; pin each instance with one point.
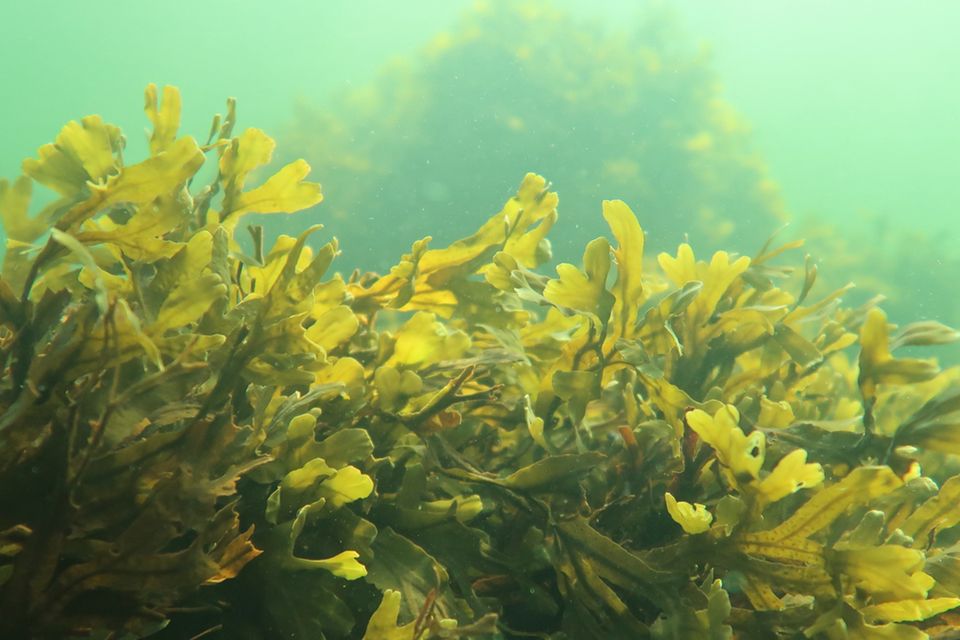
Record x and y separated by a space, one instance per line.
202 437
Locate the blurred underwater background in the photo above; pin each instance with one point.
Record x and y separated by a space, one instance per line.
716 121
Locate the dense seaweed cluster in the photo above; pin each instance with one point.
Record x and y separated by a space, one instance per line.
197 439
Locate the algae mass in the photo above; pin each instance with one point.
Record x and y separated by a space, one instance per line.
200 439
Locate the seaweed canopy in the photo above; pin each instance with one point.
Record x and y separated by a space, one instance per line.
197 439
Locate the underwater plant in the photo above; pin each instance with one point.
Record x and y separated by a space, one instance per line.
206 438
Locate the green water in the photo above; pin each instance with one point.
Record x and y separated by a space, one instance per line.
852 106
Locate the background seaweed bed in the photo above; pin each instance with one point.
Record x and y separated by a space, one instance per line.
637 113
197 440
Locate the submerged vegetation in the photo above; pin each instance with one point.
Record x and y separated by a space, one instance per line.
199 439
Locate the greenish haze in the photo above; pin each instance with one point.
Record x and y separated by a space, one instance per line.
63 60
853 104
